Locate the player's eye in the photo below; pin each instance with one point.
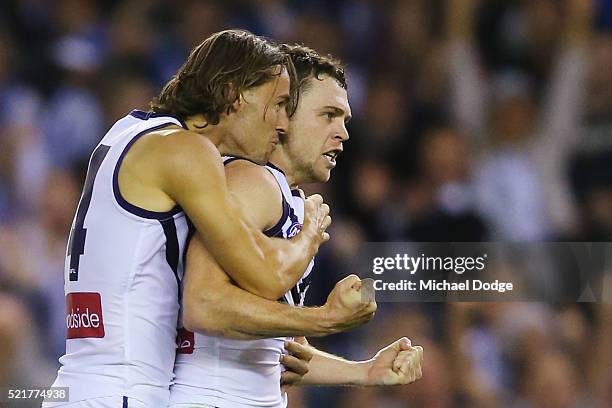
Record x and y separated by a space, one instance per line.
281 104
329 115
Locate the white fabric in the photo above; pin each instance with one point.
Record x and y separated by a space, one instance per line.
230 373
125 262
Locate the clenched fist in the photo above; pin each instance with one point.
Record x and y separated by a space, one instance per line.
398 363
345 308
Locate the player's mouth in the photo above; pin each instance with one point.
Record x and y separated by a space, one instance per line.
331 156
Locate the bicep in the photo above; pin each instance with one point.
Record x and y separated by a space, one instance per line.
206 300
204 278
201 267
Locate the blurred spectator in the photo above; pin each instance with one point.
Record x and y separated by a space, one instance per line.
448 211
73 118
22 157
22 365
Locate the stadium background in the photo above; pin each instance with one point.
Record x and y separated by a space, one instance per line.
473 120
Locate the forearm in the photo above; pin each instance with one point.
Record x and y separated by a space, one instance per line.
267 267
277 264
193 176
329 370
285 262
229 311
227 225
213 304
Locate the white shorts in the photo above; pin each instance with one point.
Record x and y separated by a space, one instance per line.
102 402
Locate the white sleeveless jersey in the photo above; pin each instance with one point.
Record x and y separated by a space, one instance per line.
228 373
122 276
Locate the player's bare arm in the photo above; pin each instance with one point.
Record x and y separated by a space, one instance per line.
396 364
184 168
212 304
256 193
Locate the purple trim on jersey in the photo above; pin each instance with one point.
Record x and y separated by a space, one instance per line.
292 215
76 241
172 250
142 115
277 229
296 193
190 231
234 158
275 168
141 212
125 402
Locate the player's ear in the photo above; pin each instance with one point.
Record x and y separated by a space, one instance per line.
199 121
232 94
235 107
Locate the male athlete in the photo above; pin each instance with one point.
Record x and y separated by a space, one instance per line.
125 254
235 359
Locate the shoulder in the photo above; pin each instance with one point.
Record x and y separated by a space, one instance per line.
246 173
174 147
182 145
257 191
184 154
180 162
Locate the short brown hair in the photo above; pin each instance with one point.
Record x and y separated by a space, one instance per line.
217 71
310 64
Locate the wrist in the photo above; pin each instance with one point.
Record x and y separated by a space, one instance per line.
310 236
326 323
360 370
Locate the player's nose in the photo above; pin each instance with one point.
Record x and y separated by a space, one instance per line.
342 134
282 124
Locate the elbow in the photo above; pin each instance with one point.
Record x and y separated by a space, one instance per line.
209 326
267 279
278 282
203 317
283 285
272 289
190 321
199 317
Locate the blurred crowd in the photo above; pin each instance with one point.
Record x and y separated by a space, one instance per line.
473 120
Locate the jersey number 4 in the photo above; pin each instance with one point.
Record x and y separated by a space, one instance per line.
76 242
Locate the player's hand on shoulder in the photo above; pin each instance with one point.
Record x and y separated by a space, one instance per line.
316 219
350 304
398 363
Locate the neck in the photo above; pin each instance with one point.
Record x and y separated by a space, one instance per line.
280 159
217 134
